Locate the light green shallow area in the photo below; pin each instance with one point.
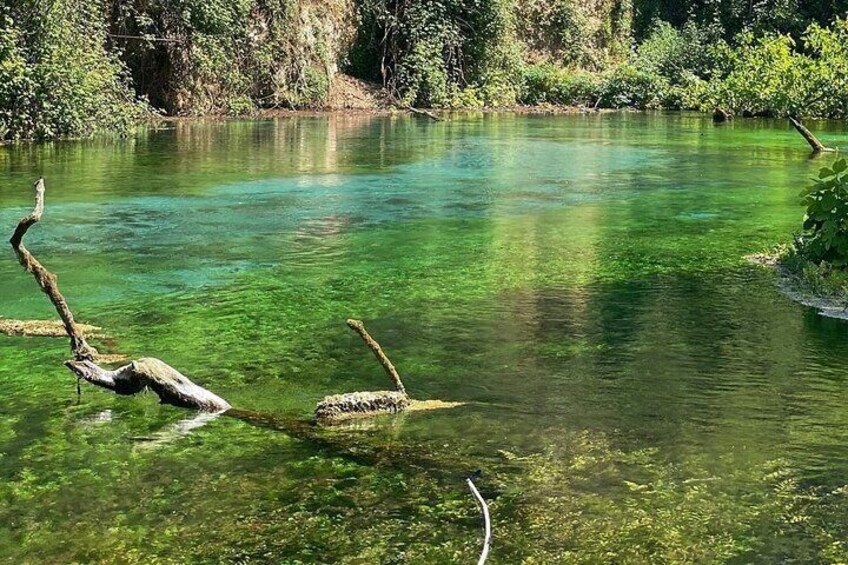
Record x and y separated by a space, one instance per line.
636 392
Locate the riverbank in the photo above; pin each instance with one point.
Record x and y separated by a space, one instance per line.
811 285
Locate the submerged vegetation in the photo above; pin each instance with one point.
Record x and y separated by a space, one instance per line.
74 67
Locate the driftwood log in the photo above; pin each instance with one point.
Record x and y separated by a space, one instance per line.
816 145
426 113
170 385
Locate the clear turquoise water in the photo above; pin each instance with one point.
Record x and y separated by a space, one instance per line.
577 280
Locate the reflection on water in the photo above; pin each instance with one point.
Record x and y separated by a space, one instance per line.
577 280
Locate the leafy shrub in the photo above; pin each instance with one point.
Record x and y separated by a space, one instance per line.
774 75
674 53
549 84
825 236
632 86
57 78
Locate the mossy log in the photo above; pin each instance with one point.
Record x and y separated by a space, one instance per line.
353 404
360 404
170 385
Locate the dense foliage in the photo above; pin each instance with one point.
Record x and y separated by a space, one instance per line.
451 52
201 56
825 237
72 67
771 74
57 78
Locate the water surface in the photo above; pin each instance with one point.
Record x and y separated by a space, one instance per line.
636 391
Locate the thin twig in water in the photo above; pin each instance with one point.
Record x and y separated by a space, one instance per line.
487 523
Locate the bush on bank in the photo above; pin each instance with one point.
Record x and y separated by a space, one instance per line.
767 75
75 67
57 79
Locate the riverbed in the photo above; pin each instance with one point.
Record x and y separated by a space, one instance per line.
634 391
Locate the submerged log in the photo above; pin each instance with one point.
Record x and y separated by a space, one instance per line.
816 145
43 328
170 385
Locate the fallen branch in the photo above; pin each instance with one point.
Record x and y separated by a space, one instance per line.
371 343
420 112
358 404
169 384
47 280
815 144
487 522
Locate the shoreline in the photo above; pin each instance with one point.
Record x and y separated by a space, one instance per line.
392 111
791 286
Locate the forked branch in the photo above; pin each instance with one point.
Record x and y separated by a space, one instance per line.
47 280
170 385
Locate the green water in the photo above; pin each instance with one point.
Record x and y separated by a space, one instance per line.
636 392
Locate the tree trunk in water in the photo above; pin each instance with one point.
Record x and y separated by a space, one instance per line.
169 384
814 142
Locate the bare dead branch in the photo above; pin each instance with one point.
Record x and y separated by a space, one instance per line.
815 144
47 280
359 327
